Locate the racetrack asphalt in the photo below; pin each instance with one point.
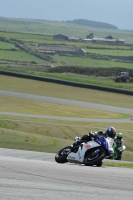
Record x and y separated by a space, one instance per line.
26 175
68 102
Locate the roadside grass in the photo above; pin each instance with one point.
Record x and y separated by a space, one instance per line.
61 129
118 164
62 91
18 105
30 141
33 138
127 155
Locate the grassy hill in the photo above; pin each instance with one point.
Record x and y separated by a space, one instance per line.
93 24
55 27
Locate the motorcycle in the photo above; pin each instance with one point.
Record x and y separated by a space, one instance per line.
88 153
117 152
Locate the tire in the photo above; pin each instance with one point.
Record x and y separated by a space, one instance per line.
99 164
61 156
90 160
118 157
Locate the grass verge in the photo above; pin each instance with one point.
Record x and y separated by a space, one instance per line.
18 105
118 164
52 135
66 92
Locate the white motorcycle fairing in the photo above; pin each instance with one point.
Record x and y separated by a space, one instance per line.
78 157
88 153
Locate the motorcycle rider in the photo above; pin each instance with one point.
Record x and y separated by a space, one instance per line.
119 145
110 132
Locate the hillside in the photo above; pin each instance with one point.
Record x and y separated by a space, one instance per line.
48 27
84 22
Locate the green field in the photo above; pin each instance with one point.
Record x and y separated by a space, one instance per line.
4 45
18 56
88 62
97 57
111 52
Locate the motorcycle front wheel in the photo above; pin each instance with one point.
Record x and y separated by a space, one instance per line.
61 156
94 159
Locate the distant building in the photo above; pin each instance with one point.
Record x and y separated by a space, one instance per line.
60 37
103 40
46 52
61 49
73 39
108 41
87 40
90 36
120 41
110 37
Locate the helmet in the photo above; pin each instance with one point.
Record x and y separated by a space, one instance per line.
111 132
119 135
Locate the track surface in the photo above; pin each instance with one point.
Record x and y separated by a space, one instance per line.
68 102
32 175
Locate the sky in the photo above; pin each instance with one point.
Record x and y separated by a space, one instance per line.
115 12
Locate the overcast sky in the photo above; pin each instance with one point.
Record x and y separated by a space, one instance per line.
115 12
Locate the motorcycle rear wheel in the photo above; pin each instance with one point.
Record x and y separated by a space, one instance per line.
61 156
